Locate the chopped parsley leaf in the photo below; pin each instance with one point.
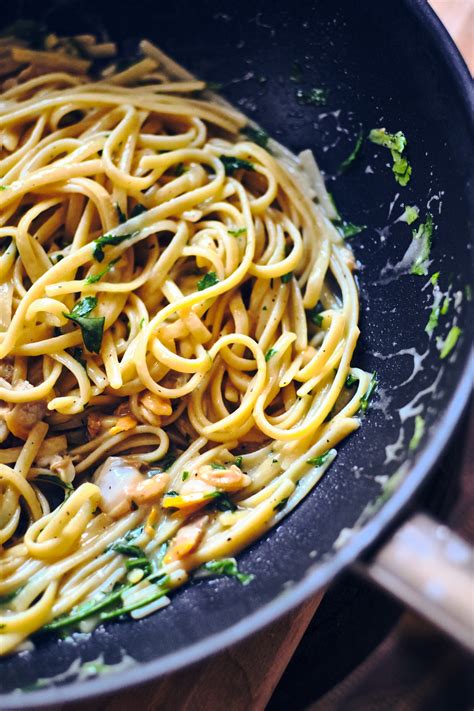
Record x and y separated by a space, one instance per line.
353 154
450 342
232 163
348 229
410 215
315 316
350 381
433 320
396 143
270 353
138 210
84 306
257 135
221 501
281 504
393 141
238 461
166 462
77 355
217 465
94 278
423 233
445 306
238 231
121 215
365 399
434 278
208 280
184 476
101 242
125 548
318 461
418 433
225 566
92 329
286 278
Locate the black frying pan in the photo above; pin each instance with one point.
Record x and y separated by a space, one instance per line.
384 64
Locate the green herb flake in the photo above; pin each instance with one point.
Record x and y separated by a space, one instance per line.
316 96
270 353
424 232
396 143
4 187
348 229
101 242
434 278
218 465
143 563
226 566
418 433
208 280
351 380
238 461
185 476
287 278
450 342
86 609
281 504
238 231
122 217
94 278
92 330
232 163
221 501
445 306
365 399
433 320
410 215
167 461
468 292
257 135
138 210
315 315
77 355
125 548
353 154
318 461
84 306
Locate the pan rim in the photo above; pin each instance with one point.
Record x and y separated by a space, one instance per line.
325 571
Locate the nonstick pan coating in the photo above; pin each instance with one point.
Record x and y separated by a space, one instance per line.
390 64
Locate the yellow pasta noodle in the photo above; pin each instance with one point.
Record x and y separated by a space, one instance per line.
178 317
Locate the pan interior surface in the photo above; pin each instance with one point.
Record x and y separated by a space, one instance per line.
391 67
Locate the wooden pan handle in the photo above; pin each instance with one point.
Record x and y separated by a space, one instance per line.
431 569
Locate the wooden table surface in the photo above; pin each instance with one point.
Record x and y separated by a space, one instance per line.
244 677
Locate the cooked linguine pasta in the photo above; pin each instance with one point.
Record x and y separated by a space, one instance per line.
178 318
